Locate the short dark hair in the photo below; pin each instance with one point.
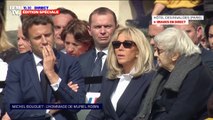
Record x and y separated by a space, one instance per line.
102 11
79 30
66 11
23 17
35 20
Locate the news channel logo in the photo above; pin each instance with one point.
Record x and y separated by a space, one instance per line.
17 10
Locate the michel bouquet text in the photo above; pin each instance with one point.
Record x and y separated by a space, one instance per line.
55 106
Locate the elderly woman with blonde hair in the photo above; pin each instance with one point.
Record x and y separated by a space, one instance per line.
182 85
130 66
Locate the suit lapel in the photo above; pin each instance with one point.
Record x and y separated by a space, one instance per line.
130 92
35 80
111 86
89 65
104 71
34 75
91 59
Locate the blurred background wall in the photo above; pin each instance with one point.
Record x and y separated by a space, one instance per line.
122 8
81 8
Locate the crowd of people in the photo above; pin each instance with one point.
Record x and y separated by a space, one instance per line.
60 59
145 9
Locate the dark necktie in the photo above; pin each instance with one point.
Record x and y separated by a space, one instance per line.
96 72
44 84
98 64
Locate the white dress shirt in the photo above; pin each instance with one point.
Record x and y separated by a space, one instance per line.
121 87
3 71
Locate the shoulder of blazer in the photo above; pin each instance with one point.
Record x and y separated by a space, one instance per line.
23 57
62 58
90 53
21 60
206 54
149 75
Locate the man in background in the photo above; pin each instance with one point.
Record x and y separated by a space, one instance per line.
153 30
60 21
195 31
102 24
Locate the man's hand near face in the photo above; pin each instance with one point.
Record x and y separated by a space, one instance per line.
49 61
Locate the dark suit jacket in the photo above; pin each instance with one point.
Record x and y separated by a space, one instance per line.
87 64
207 58
23 86
128 104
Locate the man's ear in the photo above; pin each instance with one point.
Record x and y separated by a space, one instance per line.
200 32
89 30
175 56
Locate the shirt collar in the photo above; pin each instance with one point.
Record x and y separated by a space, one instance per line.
37 59
127 76
105 50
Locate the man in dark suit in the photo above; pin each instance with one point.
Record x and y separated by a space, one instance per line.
25 86
102 24
195 31
60 22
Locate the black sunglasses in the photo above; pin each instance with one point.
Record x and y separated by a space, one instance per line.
126 44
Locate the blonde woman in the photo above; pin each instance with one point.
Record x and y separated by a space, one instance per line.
129 74
22 43
7 51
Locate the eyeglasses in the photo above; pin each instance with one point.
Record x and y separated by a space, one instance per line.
126 44
159 51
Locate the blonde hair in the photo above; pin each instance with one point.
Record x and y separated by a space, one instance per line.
144 60
4 43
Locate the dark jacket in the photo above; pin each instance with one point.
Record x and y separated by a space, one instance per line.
87 64
23 87
129 102
207 58
181 94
